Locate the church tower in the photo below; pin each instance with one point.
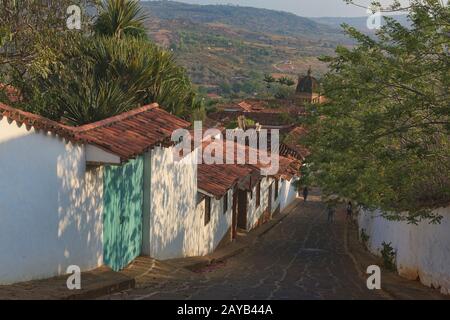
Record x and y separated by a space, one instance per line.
308 89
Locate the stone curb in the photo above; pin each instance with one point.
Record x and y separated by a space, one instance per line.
103 291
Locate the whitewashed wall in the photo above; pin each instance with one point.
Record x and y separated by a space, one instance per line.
173 191
50 207
276 202
423 251
288 192
253 212
202 240
174 224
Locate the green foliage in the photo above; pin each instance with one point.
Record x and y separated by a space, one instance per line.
235 124
364 237
382 139
389 256
286 81
33 36
121 18
269 79
111 76
82 77
283 92
286 118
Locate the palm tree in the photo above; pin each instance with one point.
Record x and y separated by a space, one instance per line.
112 75
119 18
115 70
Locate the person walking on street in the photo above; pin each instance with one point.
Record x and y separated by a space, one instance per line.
305 193
349 211
331 211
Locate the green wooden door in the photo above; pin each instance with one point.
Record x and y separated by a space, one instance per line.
122 213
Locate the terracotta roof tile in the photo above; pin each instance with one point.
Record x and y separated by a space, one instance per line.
217 179
292 142
37 122
126 135
133 132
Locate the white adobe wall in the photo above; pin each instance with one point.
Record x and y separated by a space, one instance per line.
288 192
423 251
276 202
173 191
201 240
50 207
253 212
174 224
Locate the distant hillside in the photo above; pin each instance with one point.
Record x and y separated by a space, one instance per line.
359 23
261 20
228 49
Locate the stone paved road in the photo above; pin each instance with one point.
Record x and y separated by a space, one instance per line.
303 257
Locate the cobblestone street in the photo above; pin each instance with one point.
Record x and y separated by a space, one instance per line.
303 257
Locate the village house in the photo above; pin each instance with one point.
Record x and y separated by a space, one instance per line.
75 195
259 196
207 212
270 195
197 211
107 192
276 114
219 187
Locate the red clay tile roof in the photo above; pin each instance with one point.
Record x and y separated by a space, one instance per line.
292 141
126 135
37 122
245 106
289 167
132 133
286 151
217 179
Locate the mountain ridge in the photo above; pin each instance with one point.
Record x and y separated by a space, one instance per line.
228 49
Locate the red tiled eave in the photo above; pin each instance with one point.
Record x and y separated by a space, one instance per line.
217 179
126 135
37 122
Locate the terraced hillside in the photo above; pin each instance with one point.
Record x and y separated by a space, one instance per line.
228 49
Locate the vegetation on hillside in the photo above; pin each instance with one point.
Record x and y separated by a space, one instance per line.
228 49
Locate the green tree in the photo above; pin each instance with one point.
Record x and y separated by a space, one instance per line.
382 139
34 37
93 76
286 81
269 80
119 18
129 71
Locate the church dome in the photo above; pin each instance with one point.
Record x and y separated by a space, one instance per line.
308 84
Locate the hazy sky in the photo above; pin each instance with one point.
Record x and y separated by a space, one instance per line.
306 8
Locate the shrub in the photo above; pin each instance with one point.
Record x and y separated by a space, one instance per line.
389 256
364 237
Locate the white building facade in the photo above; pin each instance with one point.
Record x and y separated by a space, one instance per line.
50 205
288 192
